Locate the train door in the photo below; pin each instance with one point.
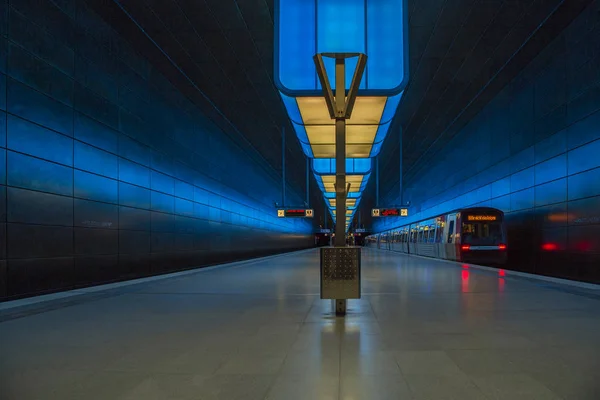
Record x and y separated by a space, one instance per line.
432 235
450 237
439 235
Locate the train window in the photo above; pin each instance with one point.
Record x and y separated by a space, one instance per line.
432 235
438 234
482 233
450 231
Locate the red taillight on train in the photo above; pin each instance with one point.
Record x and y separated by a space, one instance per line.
501 247
465 247
550 246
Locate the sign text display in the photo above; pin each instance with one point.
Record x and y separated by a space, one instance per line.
482 217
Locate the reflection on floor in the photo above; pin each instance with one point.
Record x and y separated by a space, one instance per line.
424 329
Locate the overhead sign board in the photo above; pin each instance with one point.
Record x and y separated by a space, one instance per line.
296 212
360 230
389 212
323 230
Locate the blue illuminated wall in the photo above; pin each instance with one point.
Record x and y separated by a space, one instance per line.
533 152
106 171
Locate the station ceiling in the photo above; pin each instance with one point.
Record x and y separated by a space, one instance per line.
220 54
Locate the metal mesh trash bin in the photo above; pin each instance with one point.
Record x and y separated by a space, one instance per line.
340 273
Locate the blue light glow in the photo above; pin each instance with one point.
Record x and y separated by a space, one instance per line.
374 27
357 166
351 195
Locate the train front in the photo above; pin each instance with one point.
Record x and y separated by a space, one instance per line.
483 236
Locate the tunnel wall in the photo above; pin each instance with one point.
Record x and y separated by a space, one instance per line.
533 152
109 173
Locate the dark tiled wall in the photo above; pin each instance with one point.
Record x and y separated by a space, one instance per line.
533 152
106 171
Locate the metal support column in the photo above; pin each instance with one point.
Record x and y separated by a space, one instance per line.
377 181
340 268
283 167
340 165
340 152
401 172
326 214
340 183
307 182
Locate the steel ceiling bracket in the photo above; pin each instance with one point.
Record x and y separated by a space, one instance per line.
334 104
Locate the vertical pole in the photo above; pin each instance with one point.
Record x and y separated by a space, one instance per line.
283 167
307 182
326 214
340 165
340 153
377 181
401 172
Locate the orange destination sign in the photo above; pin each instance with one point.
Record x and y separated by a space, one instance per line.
482 217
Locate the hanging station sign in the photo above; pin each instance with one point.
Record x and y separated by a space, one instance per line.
296 213
389 212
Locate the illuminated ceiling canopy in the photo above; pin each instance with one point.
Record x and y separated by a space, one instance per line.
377 28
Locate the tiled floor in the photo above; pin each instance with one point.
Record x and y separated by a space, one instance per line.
424 329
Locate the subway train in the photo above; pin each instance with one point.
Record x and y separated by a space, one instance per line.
473 235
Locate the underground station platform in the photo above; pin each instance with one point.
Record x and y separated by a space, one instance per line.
422 329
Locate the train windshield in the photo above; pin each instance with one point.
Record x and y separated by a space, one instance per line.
482 233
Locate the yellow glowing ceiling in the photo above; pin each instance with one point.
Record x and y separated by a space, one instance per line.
367 110
348 212
349 202
360 131
357 134
354 180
